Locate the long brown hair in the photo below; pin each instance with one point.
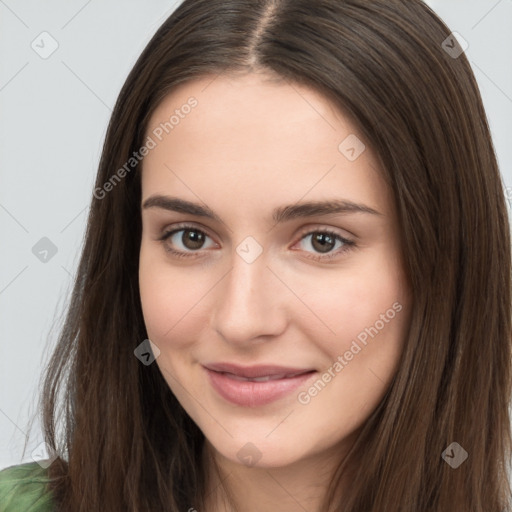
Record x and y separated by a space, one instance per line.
125 442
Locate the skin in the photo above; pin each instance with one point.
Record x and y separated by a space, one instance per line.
249 146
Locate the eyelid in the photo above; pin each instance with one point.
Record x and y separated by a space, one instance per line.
304 232
322 227
185 225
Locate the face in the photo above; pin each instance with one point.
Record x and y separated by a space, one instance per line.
310 300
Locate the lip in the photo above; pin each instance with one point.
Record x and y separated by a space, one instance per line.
261 370
228 381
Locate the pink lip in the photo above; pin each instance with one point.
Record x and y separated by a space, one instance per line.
256 371
251 393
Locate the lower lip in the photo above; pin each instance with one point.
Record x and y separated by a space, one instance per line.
253 394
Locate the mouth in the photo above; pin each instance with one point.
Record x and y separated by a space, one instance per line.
257 385
259 371
259 379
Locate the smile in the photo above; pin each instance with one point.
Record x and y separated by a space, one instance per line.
255 391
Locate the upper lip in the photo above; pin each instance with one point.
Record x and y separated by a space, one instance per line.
266 370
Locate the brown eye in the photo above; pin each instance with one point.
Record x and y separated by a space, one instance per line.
184 241
189 241
323 242
192 238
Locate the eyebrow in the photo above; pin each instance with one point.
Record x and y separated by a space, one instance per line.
279 215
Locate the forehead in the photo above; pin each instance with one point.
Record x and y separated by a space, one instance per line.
240 108
250 135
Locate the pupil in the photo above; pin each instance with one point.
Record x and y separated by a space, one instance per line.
194 240
321 239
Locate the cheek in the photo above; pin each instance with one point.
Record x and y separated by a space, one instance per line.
370 317
167 300
172 302
156 299
364 304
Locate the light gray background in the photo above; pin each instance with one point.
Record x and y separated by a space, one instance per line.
54 114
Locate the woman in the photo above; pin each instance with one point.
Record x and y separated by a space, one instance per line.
294 292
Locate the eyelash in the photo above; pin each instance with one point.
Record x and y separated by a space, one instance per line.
348 244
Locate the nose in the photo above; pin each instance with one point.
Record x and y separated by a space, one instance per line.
250 303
